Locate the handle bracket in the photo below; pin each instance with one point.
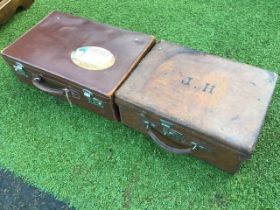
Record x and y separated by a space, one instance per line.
168 131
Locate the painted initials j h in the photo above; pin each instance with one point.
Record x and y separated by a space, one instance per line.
207 88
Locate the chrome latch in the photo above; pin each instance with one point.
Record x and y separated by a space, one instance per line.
19 69
168 131
92 100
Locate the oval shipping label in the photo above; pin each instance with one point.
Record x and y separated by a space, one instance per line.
93 58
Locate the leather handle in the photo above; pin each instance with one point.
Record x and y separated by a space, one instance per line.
39 83
167 147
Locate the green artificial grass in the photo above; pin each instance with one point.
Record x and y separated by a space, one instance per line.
94 163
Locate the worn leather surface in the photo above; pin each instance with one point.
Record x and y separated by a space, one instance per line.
45 52
220 101
216 154
109 109
48 46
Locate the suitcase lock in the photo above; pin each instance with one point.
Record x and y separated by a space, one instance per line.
19 69
92 100
168 131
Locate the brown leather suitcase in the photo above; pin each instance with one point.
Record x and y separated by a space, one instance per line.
190 102
78 60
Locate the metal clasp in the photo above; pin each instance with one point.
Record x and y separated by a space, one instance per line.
196 146
19 69
149 124
92 100
168 131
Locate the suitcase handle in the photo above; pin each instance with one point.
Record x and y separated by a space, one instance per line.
168 132
38 83
167 147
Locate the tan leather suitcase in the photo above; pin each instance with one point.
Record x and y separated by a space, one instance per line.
78 60
190 102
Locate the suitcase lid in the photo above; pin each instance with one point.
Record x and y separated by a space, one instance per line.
92 55
221 99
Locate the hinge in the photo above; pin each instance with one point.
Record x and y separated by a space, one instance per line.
92 100
19 69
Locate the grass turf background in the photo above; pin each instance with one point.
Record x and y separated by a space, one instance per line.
93 163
